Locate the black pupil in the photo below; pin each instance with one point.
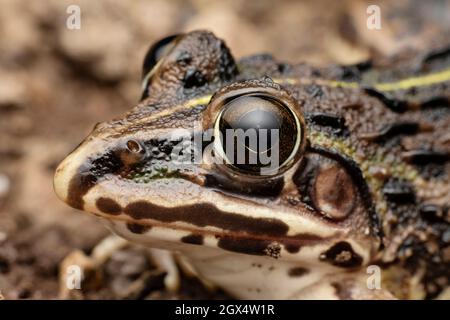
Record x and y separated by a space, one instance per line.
257 131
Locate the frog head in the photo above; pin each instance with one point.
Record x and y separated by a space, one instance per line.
164 175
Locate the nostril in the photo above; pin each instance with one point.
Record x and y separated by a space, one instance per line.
134 146
133 152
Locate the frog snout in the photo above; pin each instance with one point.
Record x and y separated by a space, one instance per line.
79 171
69 178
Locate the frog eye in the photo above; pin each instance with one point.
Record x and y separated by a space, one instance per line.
153 56
259 134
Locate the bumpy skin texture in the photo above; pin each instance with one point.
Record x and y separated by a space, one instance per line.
370 186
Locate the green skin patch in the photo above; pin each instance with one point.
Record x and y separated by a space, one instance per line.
155 174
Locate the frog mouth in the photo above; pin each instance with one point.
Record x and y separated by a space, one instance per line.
209 218
205 224
252 236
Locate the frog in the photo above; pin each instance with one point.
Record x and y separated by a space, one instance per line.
354 203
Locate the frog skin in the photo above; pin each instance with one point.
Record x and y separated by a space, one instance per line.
364 188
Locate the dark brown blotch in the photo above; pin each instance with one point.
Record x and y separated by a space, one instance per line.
394 104
138 228
392 130
205 214
424 157
247 246
399 191
292 247
79 185
328 120
297 272
109 206
342 255
193 239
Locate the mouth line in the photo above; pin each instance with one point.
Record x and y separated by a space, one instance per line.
298 240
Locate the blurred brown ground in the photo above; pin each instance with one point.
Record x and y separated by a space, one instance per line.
56 83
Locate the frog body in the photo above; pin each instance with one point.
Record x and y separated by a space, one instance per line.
361 177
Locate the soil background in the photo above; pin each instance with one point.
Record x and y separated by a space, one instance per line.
56 83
